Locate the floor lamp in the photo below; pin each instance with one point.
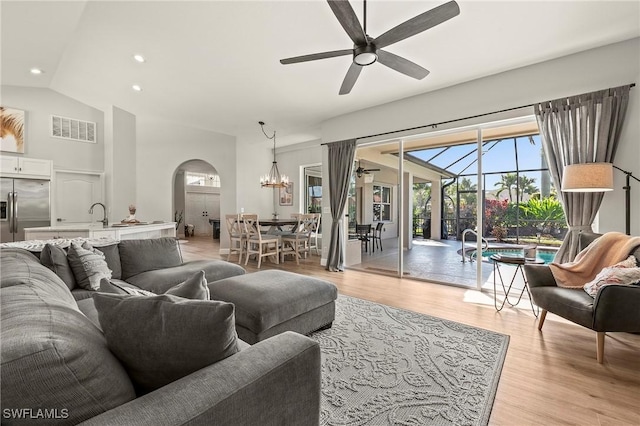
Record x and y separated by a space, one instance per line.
597 177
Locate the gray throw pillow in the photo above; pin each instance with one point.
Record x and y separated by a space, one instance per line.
55 258
88 266
162 338
194 288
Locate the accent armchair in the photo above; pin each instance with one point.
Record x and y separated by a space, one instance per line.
614 309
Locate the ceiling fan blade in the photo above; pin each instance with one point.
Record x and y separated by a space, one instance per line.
418 24
402 65
350 78
349 21
316 56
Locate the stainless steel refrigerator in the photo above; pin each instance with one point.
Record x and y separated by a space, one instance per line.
24 203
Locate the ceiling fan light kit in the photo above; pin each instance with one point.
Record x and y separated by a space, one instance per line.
365 55
367 51
360 171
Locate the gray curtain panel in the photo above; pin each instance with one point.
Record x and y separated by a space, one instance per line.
341 156
580 129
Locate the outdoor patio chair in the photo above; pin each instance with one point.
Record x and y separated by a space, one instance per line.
364 235
377 236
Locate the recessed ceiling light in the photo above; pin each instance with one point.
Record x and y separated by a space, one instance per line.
36 71
139 58
137 88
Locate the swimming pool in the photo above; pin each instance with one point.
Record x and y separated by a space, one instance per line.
546 255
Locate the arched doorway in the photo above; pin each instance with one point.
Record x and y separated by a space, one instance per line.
196 197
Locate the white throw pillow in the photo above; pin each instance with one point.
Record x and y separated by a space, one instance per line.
88 266
622 273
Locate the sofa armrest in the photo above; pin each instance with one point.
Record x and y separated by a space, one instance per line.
539 276
274 382
616 308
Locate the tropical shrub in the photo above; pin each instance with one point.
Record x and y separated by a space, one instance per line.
546 209
546 212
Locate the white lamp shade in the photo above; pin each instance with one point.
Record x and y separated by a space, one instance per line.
588 177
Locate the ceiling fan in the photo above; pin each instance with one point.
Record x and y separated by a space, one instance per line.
367 50
362 171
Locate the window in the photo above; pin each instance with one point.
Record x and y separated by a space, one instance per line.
381 203
203 179
313 203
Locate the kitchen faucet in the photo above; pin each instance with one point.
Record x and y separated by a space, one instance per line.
105 221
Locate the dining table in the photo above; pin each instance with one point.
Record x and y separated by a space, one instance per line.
276 225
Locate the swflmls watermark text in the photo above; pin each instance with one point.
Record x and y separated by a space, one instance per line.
35 413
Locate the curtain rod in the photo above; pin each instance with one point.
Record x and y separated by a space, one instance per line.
435 125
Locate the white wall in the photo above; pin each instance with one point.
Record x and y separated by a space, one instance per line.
179 196
162 147
290 160
39 104
255 154
122 175
609 66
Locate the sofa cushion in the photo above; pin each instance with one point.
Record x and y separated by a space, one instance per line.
194 287
88 266
161 280
137 256
163 338
107 286
52 356
55 258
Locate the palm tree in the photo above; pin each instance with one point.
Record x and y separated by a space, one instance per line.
507 181
526 186
421 197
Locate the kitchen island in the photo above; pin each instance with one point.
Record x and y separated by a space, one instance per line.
116 231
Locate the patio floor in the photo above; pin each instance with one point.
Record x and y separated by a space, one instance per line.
437 261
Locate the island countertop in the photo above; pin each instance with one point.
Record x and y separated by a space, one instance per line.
116 231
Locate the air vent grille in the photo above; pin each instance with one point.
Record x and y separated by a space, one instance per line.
70 128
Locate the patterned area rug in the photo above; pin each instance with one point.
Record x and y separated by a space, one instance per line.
382 365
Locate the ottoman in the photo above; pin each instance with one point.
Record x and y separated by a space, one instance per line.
270 302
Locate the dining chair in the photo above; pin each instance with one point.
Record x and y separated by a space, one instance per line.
237 242
296 227
298 242
364 235
313 244
377 236
257 243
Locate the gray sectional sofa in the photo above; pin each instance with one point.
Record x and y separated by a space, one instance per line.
57 366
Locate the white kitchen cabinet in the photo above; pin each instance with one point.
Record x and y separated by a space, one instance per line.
114 231
12 166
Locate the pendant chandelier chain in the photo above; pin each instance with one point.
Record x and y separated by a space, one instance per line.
273 179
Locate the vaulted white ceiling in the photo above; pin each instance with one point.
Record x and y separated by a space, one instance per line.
215 64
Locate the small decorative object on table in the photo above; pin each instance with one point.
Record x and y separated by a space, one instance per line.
530 252
132 215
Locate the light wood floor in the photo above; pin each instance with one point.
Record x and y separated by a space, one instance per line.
549 377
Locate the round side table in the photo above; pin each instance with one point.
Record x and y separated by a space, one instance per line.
519 262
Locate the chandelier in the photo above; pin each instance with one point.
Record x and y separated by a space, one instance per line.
273 179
